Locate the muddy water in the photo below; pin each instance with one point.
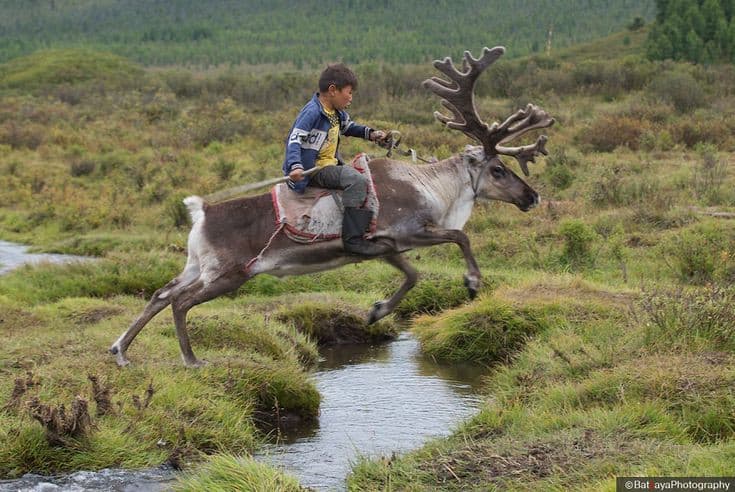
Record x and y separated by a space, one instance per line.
375 401
14 255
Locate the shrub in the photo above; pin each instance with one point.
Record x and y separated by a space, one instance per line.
680 89
224 169
578 240
83 167
709 176
177 212
558 171
611 131
702 254
18 136
607 189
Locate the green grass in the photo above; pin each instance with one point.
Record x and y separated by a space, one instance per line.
226 472
605 313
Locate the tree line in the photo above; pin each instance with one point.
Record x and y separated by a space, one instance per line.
307 33
700 31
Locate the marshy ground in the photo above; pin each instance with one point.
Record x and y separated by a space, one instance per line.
605 317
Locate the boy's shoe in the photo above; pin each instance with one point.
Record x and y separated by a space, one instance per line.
354 224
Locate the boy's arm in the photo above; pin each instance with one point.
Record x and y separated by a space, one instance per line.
353 129
305 122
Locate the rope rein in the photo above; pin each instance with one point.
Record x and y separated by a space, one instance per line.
250 263
391 142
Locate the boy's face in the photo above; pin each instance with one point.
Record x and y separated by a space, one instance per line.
340 98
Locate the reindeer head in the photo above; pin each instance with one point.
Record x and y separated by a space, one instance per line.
490 177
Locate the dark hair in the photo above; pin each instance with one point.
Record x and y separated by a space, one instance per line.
339 75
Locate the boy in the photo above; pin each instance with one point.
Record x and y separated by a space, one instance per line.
314 141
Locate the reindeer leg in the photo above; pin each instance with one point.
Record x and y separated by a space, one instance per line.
382 308
431 237
160 299
197 294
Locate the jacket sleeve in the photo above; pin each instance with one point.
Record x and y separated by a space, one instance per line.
352 129
305 122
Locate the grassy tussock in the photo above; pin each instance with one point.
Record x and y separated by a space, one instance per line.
226 472
488 331
330 324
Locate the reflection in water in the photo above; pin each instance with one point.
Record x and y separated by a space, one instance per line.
14 255
375 401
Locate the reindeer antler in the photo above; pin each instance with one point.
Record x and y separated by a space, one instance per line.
458 96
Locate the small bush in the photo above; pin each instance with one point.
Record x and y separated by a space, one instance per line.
607 189
578 240
702 254
608 132
82 168
224 169
18 136
558 168
709 176
177 212
680 89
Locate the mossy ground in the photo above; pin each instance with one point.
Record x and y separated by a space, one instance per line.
603 313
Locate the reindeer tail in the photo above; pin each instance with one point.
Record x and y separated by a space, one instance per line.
195 205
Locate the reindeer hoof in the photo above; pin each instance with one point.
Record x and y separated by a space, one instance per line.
377 312
120 358
196 363
472 283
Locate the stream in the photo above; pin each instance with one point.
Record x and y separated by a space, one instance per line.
14 255
376 401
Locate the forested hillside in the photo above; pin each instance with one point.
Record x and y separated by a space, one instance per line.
156 32
701 31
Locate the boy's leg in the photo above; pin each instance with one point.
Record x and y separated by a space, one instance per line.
346 178
356 220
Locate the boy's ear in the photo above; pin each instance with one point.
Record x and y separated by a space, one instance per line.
332 88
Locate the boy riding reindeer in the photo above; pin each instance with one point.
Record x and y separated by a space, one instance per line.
233 241
314 141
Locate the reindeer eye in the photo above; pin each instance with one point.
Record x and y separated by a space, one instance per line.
497 171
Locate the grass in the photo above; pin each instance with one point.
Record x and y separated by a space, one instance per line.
226 472
604 314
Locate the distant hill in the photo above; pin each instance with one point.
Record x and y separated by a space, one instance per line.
308 32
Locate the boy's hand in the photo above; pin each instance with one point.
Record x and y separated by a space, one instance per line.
296 175
378 135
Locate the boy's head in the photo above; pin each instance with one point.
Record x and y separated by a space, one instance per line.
338 75
336 84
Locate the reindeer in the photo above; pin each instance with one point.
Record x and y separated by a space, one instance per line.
233 241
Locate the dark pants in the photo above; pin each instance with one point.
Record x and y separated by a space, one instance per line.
346 178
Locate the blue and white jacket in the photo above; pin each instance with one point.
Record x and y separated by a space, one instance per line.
308 134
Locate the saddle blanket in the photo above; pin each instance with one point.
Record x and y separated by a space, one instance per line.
315 215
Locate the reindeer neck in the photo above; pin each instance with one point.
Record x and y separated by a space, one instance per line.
448 187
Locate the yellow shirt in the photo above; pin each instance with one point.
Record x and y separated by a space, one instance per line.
328 152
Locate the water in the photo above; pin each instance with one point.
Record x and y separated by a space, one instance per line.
375 401
153 480
14 255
